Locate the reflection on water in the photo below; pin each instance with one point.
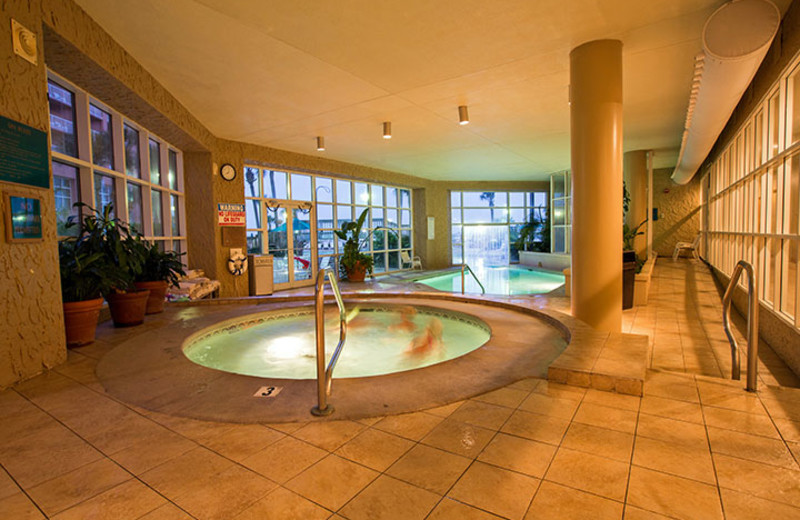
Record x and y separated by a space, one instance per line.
499 280
378 342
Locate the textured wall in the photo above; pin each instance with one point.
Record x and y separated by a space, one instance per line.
30 288
678 211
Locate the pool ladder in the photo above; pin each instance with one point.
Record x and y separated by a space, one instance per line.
752 325
325 374
465 267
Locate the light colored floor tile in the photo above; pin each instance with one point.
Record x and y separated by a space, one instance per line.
375 449
243 440
605 417
444 411
168 511
7 486
226 494
387 498
412 426
332 481
19 507
282 504
459 438
501 492
481 414
676 432
671 386
751 447
739 506
611 444
762 480
675 459
127 501
560 390
536 427
548 405
152 451
673 496
790 430
635 513
430 468
284 459
605 477
328 435
518 454
507 396
755 424
672 409
181 474
449 509
555 502
612 400
76 486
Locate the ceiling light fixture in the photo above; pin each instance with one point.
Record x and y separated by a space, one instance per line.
320 143
463 116
387 129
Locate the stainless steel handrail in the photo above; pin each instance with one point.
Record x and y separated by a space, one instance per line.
752 325
468 268
325 375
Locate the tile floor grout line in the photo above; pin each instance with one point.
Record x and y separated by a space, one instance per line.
711 453
23 490
633 453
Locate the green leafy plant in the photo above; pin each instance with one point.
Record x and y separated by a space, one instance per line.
85 272
101 232
159 265
537 226
629 234
352 255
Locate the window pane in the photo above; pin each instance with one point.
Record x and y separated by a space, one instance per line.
324 216
274 184
557 185
455 199
394 260
343 214
158 222
405 199
155 162
252 210
379 264
301 187
391 197
477 216
172 177
135 207
377 218
516 198
102 142
455 216
343 192
325 241
132 155
324 189
405 218
362 193
405 239
66 189
62 120
103 192
517 215
379 240
377 195
457 245
174 209
391 218
251 186
794 195
254 243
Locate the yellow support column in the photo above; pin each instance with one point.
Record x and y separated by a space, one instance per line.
596 152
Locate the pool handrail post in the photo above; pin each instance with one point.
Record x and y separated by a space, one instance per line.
325 375
752 324
468 268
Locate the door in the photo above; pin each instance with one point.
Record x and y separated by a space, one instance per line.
291 240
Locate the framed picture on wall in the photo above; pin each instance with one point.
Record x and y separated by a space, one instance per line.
23 217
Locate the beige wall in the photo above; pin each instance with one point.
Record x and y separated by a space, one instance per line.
678 211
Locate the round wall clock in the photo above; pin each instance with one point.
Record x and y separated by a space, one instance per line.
228 172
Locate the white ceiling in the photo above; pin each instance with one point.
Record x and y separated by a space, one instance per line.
279 73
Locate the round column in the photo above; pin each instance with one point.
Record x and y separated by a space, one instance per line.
596 153
635 173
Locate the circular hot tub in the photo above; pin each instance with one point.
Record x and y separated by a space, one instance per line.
381 339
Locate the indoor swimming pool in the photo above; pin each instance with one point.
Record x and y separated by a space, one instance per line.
508 281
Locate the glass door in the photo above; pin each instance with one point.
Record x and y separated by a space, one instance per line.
291 240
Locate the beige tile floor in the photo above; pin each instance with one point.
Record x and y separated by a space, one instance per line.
694 446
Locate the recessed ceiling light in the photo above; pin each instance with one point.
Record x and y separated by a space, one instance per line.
320 143
463 116
387 129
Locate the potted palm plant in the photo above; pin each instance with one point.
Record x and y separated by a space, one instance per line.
160 269
354 264
85 276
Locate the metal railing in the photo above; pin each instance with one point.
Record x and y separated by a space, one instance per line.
465 267
325 374
752 325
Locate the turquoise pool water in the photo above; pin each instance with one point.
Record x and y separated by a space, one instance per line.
507 281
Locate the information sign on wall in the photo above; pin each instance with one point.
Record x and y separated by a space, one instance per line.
23 154
23 216
231 215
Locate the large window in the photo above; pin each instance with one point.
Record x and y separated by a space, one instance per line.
485 224
98 159
561 202
752 199
330 202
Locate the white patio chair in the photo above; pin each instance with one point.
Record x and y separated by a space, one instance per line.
405 259
691 246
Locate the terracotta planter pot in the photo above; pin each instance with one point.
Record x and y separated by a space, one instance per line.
127 309
80 321
158 292
357 273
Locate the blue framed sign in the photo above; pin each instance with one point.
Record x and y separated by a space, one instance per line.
23 218
24 157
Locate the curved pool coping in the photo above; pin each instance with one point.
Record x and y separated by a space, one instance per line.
151 371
